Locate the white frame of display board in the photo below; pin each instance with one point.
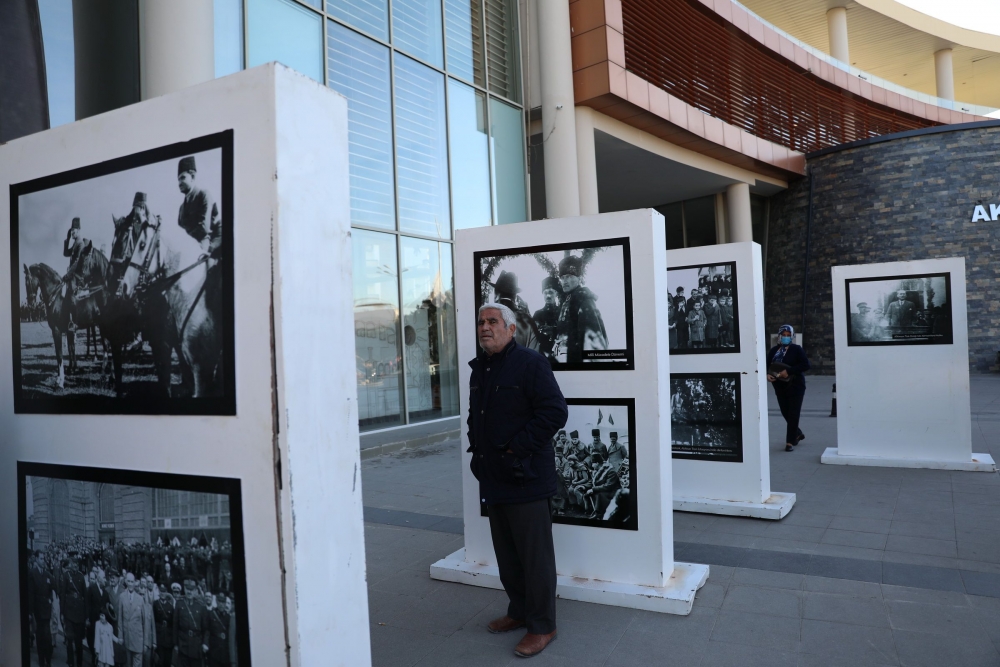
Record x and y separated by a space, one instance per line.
293 443
904 406
727 487
628 568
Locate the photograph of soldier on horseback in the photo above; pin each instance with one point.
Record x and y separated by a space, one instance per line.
144 328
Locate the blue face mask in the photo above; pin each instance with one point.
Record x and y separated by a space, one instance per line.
785 340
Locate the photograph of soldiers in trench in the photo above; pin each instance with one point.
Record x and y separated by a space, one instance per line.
128 575
702 309
899 311
594 467
121 293
570 303
705 420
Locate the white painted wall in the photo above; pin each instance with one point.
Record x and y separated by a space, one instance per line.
905 401
749 481
290 165
645 556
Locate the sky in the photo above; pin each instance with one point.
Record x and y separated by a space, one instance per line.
979 15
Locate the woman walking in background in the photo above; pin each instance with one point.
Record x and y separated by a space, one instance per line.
786 364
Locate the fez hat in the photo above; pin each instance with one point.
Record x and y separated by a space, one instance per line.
139 199
571 266
614 434
551 283
186 164
506 283
562 431
595 431
574 434
75 224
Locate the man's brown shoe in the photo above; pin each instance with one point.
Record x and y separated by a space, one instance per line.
532 645
504 624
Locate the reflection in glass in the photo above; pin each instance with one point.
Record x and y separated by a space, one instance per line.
359 70
376 330
470 160
285 31
228 16
503 65
421 150
508 162
429 330
464 39
372 16
60 73
416 29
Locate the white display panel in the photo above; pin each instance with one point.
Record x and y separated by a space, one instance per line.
903 394
293 442
643 556
719 464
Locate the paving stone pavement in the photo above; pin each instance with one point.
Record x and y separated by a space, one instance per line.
873 566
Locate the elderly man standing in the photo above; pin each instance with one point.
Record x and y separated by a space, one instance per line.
515 407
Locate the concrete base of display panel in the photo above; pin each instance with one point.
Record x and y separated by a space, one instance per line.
978 462
776 507
677 597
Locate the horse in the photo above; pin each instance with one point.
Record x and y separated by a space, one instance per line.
174 309
43 278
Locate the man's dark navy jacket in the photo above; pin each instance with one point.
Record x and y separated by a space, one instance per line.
514 404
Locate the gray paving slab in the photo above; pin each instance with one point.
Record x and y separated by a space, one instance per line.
873 567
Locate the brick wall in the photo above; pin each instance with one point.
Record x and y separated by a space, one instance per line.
897 200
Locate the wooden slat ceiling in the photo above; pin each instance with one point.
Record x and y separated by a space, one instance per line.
887 48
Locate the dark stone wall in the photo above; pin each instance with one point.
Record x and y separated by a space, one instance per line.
903 199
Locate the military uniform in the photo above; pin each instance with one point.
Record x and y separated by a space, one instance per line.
40 591
578 315
198 214
189 631
73 605
217 626
616 453
163 617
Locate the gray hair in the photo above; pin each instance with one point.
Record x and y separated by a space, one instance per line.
507 314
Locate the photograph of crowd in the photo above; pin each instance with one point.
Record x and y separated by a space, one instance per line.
595 465
128 573
122 276
899 310
703 309
705 417
573 302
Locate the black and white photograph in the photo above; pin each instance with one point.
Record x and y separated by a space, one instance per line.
899 310
595 465
703 309
706 421
572 301
130 568
122 285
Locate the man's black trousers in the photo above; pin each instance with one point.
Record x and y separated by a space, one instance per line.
790 403
522 540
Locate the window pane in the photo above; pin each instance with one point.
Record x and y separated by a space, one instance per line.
508 162
504 71
464 39
372 16
60 74
470 159
416 28
359 70
228 36
675 225
376 330
429 330
421 150
699 221
285 31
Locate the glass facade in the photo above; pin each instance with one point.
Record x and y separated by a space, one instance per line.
285 31
690 223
